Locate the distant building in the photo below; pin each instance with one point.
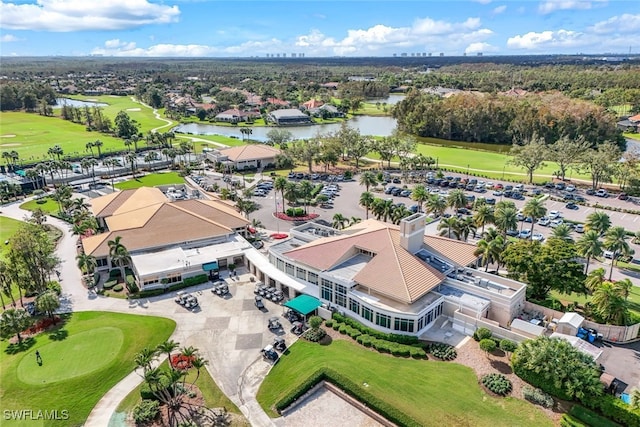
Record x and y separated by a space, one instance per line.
289 116
250 156
631 124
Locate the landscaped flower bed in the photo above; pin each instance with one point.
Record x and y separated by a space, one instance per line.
286 217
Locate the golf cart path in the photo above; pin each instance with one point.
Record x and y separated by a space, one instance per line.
156 114
75 297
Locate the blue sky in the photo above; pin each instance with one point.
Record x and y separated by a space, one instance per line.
226 28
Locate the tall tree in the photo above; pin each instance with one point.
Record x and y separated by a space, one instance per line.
529 155
484 215
435 205
368 179
610 304
48 302
280 184
366 201
535 209
589 246
598 221
505 218
456 199
119 254
13 321
566 153
126 128
615 240
600 163
420 194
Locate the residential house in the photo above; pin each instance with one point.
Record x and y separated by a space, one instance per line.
289 116
235 115
631 124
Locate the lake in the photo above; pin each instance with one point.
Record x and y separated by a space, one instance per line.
76 103
367 125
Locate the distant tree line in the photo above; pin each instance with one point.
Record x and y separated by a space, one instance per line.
25 95
363 89
498 119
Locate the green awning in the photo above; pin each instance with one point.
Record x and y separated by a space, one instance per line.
210 266
304 304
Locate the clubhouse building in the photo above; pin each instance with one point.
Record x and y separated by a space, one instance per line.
392 278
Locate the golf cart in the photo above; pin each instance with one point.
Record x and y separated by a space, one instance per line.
293 316
220 288
259 302
274 324
279 344
277 296
268 353
181 297
260 289
297 328
192 302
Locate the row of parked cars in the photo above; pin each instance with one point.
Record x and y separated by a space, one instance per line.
315 176
263 188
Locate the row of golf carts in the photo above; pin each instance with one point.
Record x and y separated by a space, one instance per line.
268 292
220 288
187 300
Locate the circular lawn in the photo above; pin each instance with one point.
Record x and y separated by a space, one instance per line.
77 355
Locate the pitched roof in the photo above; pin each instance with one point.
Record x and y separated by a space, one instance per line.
392 271
288 112
635 118
456 251
313 103
126 200
166 224
250 152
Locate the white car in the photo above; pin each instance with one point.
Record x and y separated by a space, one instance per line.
579 228
556 222
554 214
525 234
570 188
608 254
544 221
537 237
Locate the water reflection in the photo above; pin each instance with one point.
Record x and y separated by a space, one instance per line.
77 103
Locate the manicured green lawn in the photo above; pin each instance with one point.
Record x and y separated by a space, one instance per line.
630 135
90 353
8 227
50 206
633 299
152 180
433 393
138 112
211 393
35 134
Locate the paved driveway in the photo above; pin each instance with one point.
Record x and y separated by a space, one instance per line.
623 362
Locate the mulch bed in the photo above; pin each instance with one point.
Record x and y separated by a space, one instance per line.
286 217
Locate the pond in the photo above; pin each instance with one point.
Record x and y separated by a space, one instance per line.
77 103
393 99
367 125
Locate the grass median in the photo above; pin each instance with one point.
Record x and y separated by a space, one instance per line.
430 392
81 361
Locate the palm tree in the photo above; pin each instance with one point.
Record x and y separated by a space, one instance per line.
48 302
98 144
623 287
489 251
435 205
354 220
290 193
368 179
119 254
615 240
87 264
420 195
457 199
483 216
506 218
55 151
448 226
594 279
383 209
89 147
598 221
535 209
466 226
167 347
339 221
305 188
589 246
144 358
398 213
563 231
280 184
199 363
131 158
14 321
366 201
610 305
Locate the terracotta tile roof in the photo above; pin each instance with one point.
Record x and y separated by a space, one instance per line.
165 224
126 200
392 271
313 103
250 152
456 251
635 118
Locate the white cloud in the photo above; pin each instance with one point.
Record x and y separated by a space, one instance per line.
500 9
548 39
8 38
80 15
549 6
423 36
480 47
625 23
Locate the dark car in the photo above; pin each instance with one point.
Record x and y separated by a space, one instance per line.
396 181
513 233
491 201
590 191
578 198
444 183
259 303
571 206
464 211
623 196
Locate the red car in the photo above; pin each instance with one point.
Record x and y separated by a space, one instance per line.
623 196
498 186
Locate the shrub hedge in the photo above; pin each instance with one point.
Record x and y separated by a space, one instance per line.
354 390
314 335
589 418
497 383
382 345
442 351
481 334
118 288
537 397
189 281
400 339
115 272
329 323
146 411
110 283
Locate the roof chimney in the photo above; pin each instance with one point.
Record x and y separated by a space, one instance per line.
412 232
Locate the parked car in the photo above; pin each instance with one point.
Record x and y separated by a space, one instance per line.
623 196
570 188
259 193
544 221
560 186
608 254
297 328
525 234
491 201
537 237
497 193
602 193
571 206
554 215
268 353
578 198
555 223
579 228
590 192
405 193
513 233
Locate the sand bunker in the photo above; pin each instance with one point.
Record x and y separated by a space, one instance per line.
133 109
10 145
9 135
91 100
